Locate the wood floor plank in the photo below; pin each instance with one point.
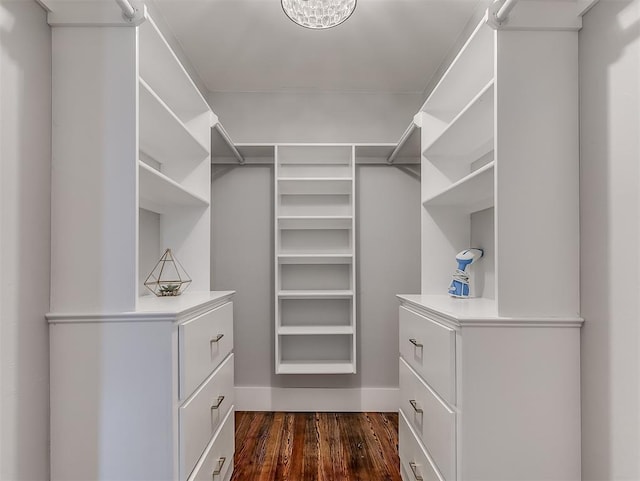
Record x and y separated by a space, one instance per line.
316 447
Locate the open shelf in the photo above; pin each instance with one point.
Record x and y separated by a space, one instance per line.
468 73
315 258
315 241
318 154
471 193
324 169
315 330
163 136
158 193
161 69
315 185
469 135
315 277
315 294
314 222
315 205
319 367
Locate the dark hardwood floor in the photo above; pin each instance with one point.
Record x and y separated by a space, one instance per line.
316 447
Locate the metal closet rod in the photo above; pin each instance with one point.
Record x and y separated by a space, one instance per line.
227 139
127 9
401 142
504 10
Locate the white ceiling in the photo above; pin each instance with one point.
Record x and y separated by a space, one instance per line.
251 46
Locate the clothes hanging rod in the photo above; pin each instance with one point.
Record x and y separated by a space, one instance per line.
227 139
504 10
127 9
403 140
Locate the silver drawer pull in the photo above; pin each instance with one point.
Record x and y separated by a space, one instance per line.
218 403
216 339
415 343
415 407
414 468
221 462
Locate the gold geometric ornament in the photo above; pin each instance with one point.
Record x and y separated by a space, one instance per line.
168 277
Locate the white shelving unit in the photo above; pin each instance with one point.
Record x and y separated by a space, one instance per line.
491 139
132 176
499 151
315 259
174 140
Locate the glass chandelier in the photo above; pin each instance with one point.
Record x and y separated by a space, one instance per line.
318 14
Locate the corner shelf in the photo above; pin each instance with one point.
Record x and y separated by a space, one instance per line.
158 193
472 193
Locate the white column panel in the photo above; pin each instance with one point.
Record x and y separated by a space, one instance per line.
537 227
94 174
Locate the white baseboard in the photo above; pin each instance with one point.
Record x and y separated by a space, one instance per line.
316 399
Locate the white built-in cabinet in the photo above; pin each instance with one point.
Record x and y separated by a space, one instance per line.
489 386
141 387
315 259
144 395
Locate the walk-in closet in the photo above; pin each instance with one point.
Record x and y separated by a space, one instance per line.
319 240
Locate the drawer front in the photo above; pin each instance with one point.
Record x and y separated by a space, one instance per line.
414 463
429 348
434 423
217 462
203 343
199 417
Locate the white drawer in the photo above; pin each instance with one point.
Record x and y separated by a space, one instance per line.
217 461
203 343
432 421
414 462
199 417
430 349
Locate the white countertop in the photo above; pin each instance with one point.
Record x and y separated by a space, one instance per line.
476 311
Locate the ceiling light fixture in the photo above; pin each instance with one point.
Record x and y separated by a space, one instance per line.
318 14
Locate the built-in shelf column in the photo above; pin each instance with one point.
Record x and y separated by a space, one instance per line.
315 259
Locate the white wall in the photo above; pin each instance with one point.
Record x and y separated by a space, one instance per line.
315 116
25 140
610 223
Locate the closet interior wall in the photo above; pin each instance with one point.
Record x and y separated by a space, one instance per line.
610 231
387 240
